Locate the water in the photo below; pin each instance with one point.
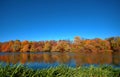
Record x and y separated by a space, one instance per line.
47 59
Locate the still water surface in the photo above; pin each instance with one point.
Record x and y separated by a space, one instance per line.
48 59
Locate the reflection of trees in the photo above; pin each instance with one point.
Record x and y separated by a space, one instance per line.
116 58
12 58
93 58
4 59
80 58
47 58
61 58
36 57
24 58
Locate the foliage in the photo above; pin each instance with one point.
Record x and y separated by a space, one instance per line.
16 46
62 46
59 71
47 46
115 43
78 45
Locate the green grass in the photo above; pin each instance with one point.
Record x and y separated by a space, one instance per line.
59 71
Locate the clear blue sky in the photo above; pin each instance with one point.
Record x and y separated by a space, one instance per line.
36 20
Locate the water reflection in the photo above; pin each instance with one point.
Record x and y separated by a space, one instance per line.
62 58
116 58
93 58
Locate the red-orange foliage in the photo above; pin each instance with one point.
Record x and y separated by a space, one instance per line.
79 45
25 46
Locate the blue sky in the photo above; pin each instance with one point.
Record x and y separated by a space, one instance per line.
36 20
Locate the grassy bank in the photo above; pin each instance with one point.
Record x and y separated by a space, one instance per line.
59 71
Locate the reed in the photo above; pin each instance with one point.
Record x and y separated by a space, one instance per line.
58 71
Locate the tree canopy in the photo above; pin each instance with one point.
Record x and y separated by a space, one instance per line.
79 45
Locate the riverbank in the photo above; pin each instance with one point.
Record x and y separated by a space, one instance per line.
59 71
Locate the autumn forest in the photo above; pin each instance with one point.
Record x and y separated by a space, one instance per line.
77 45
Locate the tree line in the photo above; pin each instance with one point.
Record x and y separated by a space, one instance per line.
78 45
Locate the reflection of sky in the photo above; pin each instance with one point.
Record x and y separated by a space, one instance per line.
40 65
37 65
